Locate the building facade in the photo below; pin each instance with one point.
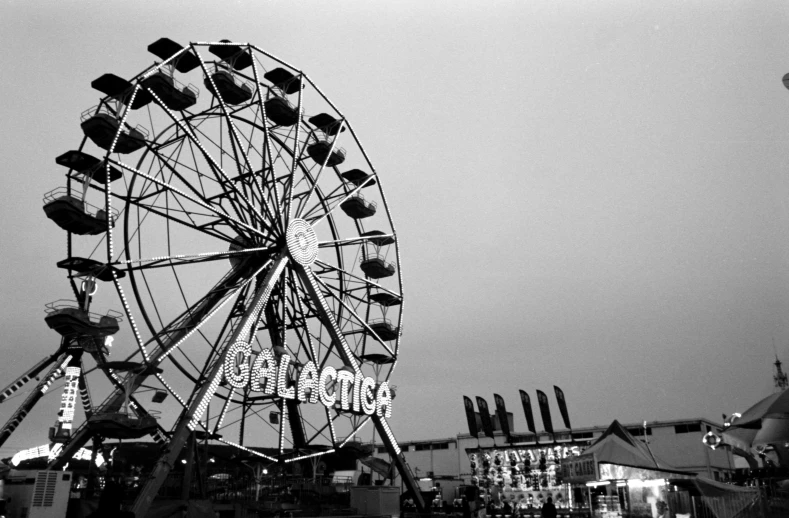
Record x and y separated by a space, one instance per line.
676 442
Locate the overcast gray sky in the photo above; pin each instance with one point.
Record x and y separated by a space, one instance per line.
587 194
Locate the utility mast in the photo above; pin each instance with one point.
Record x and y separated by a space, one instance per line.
779 377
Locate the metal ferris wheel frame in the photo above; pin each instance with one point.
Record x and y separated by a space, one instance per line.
265 193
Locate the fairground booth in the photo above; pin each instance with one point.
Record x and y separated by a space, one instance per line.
618 476
522 477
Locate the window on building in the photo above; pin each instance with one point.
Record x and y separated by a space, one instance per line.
441 446
382 449
639 432
687 428
421 447
583 435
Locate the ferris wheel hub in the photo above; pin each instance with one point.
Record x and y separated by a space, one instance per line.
302 242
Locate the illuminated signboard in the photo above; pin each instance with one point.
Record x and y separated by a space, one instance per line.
278 376
520 469
580 469
46 451
67 399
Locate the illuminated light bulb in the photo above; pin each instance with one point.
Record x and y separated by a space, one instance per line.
383 400
283 390
328 375
307 383
236 366
264 372
368 396
345 378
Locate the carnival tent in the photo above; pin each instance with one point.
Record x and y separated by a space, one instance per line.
721 500
618 446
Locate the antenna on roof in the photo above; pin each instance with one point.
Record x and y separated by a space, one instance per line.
781 382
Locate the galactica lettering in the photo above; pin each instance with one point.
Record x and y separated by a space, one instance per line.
275 374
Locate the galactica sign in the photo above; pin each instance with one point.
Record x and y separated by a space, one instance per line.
274 374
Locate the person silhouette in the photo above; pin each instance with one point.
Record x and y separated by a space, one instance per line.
548 510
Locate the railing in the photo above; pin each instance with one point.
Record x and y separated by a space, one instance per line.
384 321
378 257
337 149
361 198
103 109
241 83
289 104
94 211
60 304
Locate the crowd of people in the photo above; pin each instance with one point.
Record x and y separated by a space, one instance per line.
521 508
496 507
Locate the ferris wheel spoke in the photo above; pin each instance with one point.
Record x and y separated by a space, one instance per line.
206 313
238 149
301 316
189 130
296 156
325 199
222 183
179 259
362 280
310 283
321 432
209 228
321 169
221 418
223 107
270 211
317 219
266 148
169 163
352 241
220 214
356 428
171 390
320 351
206 228
360 320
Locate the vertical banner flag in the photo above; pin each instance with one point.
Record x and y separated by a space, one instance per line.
470 417
526 401
484 414
562 407
545 411
501 411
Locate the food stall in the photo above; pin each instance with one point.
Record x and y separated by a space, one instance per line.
618 476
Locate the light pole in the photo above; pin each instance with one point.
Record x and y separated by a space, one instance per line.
257 475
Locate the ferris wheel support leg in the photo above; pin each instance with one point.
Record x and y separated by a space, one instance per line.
399 461
92 475
186 483
34 371
292 406
185 324
32 399
203 395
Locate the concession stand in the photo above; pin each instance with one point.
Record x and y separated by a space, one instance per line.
618 476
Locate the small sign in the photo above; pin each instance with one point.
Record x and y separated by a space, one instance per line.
582 468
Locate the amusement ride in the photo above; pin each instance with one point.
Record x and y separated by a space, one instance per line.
232 259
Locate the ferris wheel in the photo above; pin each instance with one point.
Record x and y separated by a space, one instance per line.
241 234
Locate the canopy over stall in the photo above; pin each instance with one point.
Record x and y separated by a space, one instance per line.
620 456
621 474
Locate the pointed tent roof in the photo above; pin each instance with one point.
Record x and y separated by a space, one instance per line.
618 446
